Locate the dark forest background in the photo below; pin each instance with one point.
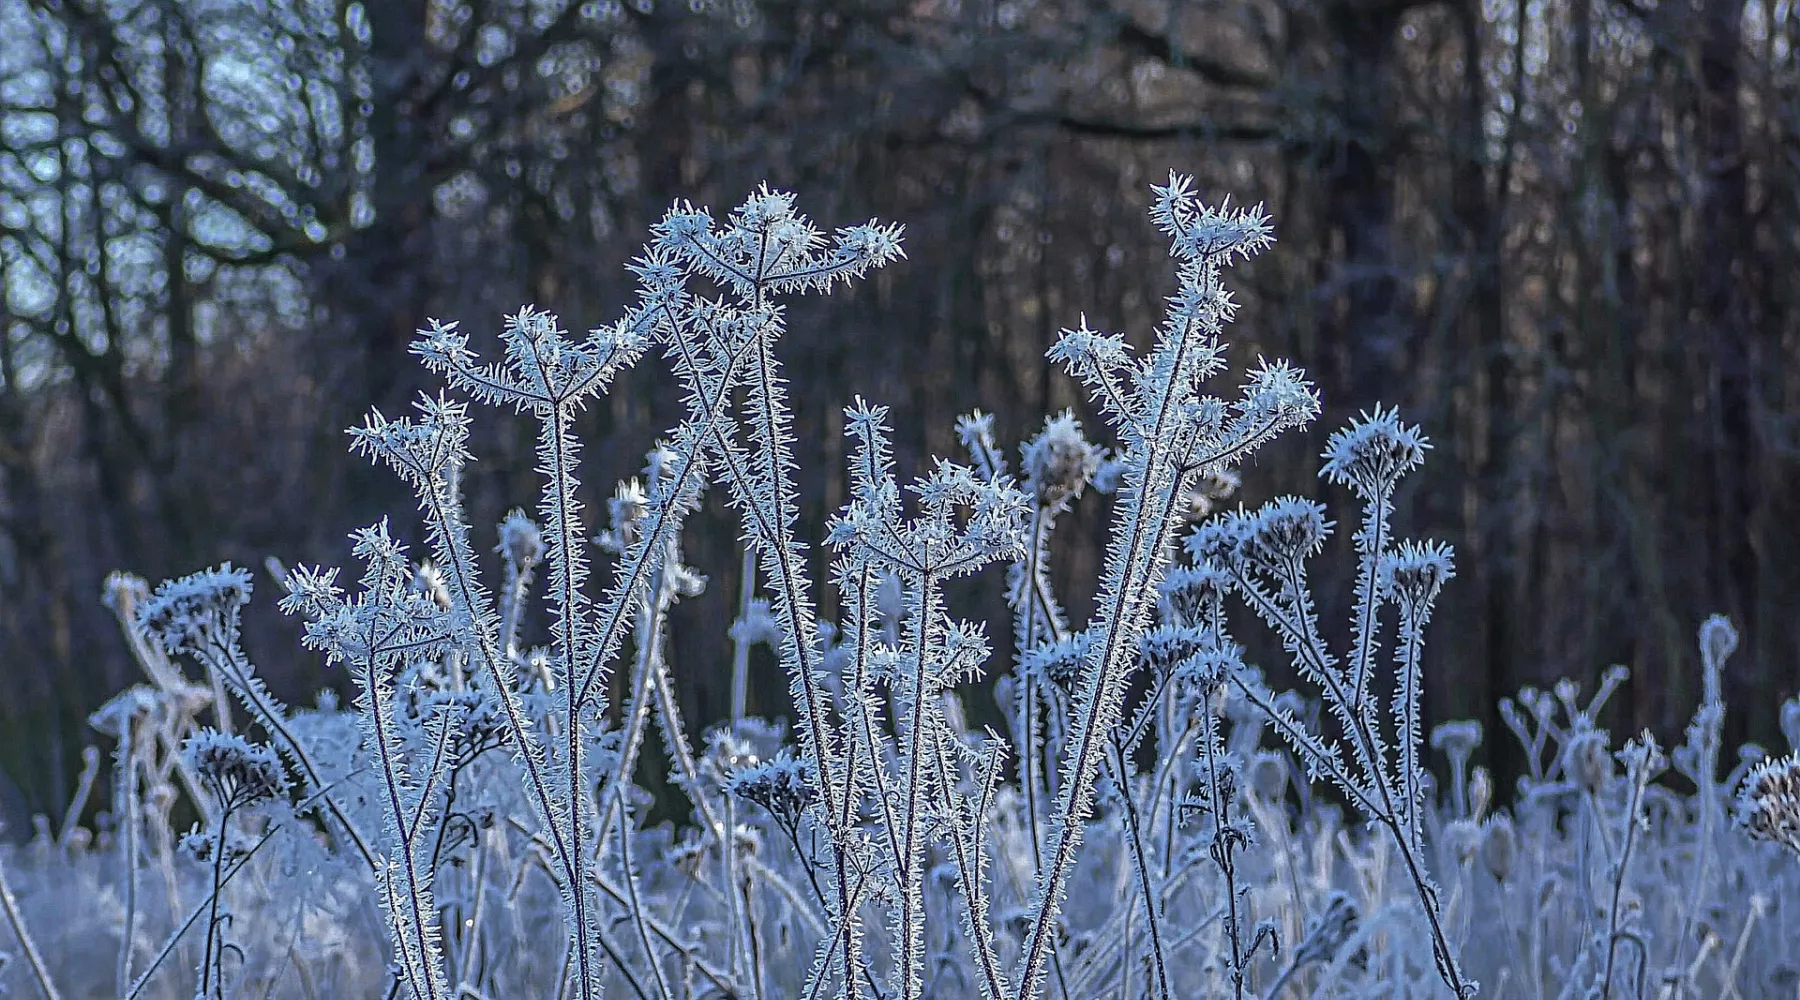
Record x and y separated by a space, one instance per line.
1560 234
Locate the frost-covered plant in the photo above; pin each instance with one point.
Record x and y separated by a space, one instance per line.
1145 825
1262 557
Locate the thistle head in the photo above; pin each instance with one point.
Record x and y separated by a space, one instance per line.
1373 453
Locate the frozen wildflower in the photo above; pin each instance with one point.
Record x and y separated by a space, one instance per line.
240 772
757 624
1059 462
521 543
1278 397
1223 542
1211 665
1373 453
188 614
1643 758
1768 803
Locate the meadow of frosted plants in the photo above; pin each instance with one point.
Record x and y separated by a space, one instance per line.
1152 819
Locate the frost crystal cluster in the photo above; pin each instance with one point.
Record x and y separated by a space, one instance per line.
1150 818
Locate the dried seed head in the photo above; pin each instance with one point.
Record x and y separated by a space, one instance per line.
1059 462
1481 792
783 786
1189 591
187 614
1457 739
1059 663
1500 847
1586 759
241 772
1768 805
521 543
1373 453
1268 775
1288 529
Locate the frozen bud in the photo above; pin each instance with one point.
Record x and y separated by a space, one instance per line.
1481 792
1500 847
1790 722
1373 453
1768 804
122 592
1587 760
521 543
1059 462
1717 641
